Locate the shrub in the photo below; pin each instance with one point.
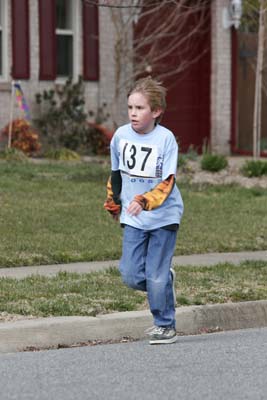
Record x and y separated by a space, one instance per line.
213 162
24 137
13 154
182 161
254 168
63 155
63 120
191 153
99 138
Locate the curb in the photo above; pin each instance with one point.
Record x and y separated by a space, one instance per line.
67 331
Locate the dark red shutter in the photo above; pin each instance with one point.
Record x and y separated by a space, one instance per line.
47 39
90 42
20 39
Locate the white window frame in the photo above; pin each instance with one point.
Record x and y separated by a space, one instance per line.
4 24
74 32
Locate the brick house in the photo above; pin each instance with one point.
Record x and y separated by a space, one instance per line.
44 41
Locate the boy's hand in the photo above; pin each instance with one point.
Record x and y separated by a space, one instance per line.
134 208
113 208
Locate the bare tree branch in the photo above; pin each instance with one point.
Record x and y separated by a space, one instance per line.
132 4
154 37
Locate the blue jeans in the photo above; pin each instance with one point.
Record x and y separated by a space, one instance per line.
145 265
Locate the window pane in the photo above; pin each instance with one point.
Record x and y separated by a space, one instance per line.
1 71
64 55
64 14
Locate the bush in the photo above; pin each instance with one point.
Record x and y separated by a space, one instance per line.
213 162
182 161
99 138
63 120
24 137
254 168
191 153
63 155
13 154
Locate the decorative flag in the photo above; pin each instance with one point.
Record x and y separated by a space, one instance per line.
22 101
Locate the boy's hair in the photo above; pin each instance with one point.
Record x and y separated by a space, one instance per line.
153 91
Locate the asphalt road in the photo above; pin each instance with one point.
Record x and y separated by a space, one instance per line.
226 365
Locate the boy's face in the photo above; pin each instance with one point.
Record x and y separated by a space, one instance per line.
141 116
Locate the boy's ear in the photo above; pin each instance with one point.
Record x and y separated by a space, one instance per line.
157 113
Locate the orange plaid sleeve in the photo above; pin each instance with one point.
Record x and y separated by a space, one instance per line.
157 195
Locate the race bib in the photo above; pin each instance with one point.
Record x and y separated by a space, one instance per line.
138 159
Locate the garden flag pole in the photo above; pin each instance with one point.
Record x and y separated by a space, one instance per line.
22 101
17 90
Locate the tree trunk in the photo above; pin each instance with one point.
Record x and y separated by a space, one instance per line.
258 82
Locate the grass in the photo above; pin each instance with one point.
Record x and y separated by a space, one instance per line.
98 293
53 213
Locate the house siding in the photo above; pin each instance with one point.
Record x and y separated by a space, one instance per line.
33 85
102 91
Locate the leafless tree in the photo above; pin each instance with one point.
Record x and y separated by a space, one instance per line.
255 20
259 83
152 38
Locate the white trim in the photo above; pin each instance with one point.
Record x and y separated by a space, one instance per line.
4 14
76 37
64 32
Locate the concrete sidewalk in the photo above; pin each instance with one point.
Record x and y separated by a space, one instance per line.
45 333
86 267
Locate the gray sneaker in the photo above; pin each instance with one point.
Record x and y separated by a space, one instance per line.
150 331
173 285
163 335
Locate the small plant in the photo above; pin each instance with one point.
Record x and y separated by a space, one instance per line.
192 153
24 137
182 161
213 162
13 154
63 155
254 168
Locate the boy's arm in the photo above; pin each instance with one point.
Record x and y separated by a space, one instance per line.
113 203
156 197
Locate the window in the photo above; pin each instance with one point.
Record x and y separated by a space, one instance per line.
64 38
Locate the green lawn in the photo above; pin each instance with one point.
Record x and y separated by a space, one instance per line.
103 292
53 213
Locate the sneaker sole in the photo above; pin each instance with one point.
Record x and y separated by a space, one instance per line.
164 341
